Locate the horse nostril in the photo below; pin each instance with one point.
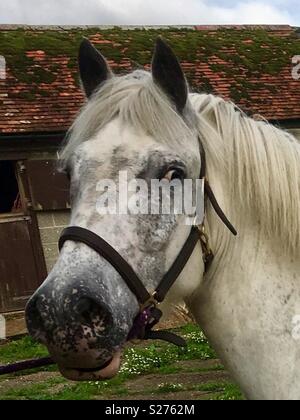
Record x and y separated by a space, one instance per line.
85 309
34 320
93 314
81 317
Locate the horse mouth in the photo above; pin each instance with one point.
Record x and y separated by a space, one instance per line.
107 371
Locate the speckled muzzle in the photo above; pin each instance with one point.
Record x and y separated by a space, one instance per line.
81 321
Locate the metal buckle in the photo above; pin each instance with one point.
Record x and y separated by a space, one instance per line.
203 235
151 302
206 249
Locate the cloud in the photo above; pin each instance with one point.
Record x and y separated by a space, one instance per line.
154 12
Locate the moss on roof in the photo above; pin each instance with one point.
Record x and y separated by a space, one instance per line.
259 51
249 65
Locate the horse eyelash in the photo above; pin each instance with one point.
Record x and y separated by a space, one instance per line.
173 167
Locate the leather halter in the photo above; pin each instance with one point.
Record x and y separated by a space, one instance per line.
149 314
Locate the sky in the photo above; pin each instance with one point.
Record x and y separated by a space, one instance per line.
149 12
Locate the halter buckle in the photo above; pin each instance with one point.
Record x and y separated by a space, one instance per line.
152 301
148 317
208 255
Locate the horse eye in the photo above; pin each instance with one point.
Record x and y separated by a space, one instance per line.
173 174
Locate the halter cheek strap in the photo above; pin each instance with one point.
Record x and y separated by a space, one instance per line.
210 196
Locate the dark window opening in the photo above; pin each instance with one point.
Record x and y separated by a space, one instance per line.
9 190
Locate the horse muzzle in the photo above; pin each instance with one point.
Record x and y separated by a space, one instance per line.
107 371
81 325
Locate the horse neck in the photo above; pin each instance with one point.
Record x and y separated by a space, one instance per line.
257 246
247 305
249 298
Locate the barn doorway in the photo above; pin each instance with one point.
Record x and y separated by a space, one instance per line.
22 264
9 189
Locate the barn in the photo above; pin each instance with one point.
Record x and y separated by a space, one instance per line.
254 66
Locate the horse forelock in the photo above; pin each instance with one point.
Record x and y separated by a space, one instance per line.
137 101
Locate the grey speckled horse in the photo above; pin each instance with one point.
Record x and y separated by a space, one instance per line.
248 303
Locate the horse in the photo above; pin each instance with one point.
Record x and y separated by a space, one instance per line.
247 301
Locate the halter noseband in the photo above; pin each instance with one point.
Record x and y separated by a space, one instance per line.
149 314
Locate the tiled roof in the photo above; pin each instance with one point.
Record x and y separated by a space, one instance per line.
252 65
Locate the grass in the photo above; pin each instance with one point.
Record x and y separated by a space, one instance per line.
224 390
220 390
158 358
230 392
25 348
166 388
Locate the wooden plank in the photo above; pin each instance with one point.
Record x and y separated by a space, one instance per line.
18 274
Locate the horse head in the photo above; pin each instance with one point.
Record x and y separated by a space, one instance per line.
141 124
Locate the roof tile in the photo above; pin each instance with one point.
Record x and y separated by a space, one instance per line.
251 65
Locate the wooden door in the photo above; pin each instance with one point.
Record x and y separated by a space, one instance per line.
22 264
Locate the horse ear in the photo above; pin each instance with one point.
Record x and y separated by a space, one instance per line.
93 67
168 74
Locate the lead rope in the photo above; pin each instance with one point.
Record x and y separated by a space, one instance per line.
26 365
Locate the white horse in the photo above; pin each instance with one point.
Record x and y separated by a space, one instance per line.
248 302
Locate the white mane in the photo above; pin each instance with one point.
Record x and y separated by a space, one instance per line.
263 163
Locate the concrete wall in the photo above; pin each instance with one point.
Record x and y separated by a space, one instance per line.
51 225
